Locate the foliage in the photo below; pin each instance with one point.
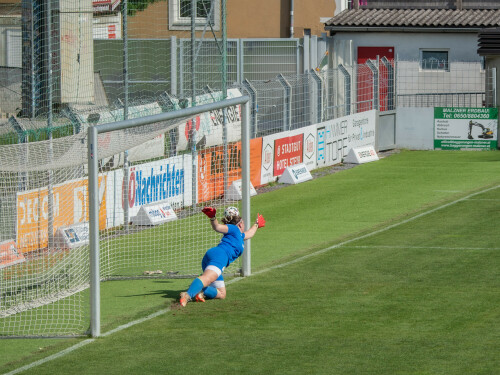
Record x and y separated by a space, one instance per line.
135 6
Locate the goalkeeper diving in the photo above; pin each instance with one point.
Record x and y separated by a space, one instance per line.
210 284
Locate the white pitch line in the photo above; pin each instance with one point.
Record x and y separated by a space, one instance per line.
420 247
484 199
297 260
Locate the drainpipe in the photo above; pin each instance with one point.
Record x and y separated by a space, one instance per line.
291 18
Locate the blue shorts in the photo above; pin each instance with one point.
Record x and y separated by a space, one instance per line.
215 257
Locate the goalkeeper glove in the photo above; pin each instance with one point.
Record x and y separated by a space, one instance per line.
261 222
209 211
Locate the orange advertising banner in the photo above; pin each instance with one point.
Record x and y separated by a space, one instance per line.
211 168
9 255
70 206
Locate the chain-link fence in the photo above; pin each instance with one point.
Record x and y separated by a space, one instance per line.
121 62
293 101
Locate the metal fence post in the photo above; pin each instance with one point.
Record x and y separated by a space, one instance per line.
390 83
252 92
374 70
494 88
241 60
173 65
347 89
318 116
287 102
307 54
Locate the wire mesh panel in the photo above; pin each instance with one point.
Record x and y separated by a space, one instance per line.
148 71
302 90
266 58
459 84
365 88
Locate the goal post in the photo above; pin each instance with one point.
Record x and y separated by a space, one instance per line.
93 184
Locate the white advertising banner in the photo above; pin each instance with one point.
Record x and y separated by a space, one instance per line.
162 180
154 214
209 125
295 174
285 149
361 155
150 149
72 236
337 137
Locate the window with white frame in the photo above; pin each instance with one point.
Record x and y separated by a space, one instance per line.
434 59
206 10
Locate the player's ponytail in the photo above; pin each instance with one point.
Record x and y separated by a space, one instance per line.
231 220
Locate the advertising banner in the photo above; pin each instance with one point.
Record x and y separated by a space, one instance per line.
285 149
9 255
295 174
70 206
154 214
72 236
209 125
287 152
465 128
157 181
150 149
211 168
336 137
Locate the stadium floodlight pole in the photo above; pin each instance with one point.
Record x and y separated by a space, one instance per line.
245 183
93 182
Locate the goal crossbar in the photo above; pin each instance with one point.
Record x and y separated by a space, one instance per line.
93 168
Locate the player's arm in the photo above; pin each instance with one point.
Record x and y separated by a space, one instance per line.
216 226
259 223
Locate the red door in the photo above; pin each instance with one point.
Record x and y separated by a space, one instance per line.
365 77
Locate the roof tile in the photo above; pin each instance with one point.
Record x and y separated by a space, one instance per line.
424 18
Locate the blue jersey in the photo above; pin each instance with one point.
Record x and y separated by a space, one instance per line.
232 243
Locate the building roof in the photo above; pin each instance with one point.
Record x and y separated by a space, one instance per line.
422 19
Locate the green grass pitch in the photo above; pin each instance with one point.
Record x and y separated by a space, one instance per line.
405 287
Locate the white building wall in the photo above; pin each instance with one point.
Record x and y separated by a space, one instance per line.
415 128
461 46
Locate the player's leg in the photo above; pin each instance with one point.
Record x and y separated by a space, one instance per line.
208 276
216 290
213 264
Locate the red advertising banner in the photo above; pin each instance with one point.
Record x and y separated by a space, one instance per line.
288 151
211 168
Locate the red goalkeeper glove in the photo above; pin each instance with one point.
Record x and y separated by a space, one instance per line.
261 222
209 211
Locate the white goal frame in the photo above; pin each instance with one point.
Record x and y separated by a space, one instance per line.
93 168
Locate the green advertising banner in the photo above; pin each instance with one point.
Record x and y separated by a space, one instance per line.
465 128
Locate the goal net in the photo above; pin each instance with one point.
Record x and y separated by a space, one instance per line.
153 181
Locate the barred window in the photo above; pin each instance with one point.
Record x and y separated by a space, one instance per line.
202 8
434 60
180 14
